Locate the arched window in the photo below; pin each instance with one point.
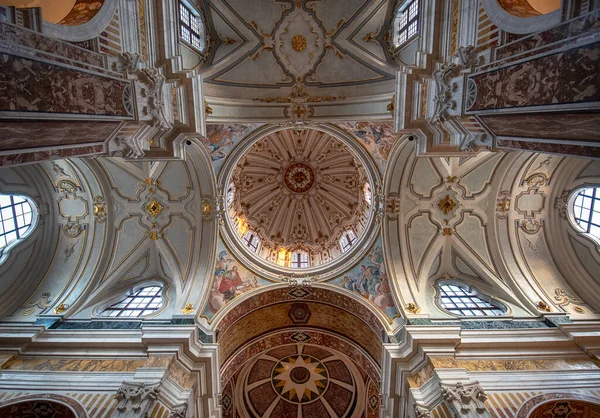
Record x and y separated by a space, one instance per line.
191 27
368 194
230 194
252 240
586 210
16 218
142 302
347 240
462 300
406 23
299 259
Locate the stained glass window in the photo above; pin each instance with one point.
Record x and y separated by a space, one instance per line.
463 301
16 217
192 28
142 302
586 210
299 259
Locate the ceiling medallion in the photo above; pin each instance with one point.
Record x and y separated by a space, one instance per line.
447 204
299 177
298 43
154 208
299 378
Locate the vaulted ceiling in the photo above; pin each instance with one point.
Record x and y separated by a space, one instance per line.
308 49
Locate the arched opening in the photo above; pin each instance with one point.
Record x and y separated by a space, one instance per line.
571 408
310 352
36 408
61 12
529 8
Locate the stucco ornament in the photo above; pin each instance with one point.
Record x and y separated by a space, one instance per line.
135 399
467 399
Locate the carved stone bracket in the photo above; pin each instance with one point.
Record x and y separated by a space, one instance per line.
135 399
468 400
422 412
179 411
127 62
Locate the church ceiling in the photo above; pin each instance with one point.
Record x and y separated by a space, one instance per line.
270 47
300 189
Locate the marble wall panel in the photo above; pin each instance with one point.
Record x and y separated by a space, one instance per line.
561 78
31 86
581 126
565 149
73 365
556 37
36 156
17 35
25 135
508 365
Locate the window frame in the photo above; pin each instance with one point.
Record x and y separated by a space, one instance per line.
300 262
249 242
192 12
398 29
474 292
29 227
102 308
595 204
345 248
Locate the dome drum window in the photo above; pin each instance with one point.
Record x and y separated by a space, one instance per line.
141 302
16 218
461 300
252 240
347 240
299 259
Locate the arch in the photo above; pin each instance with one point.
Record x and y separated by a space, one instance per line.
87 20
538 406
154 289
523 24
63 406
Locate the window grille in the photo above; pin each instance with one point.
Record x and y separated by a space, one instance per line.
142 302
586 210
16 216
191 27
347 240
462 301
407 23
252 240
299 259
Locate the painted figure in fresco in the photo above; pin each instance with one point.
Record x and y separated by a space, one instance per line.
369 276
350 284
230 282
384 297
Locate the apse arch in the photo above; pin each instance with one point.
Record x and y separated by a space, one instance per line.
289 328
50 404
539 406
520 21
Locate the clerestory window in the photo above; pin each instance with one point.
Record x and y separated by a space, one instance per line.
406 24
142 302
191 27
16 219
462 300
586 210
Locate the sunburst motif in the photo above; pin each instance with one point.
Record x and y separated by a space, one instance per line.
300 378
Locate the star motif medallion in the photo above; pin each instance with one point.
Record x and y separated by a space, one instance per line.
299 378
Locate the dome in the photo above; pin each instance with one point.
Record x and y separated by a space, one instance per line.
299 198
